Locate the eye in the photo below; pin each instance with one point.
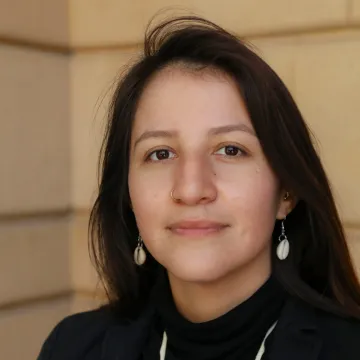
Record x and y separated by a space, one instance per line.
161 154
230 150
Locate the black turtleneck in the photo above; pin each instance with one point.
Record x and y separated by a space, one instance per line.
235 335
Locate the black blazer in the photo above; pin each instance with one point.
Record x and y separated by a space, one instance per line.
302 333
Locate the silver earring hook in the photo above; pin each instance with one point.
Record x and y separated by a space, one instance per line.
140 241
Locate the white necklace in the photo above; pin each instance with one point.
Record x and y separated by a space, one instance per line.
258 356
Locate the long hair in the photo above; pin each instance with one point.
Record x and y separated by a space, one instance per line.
318 269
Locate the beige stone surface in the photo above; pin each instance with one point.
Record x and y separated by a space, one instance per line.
32 324
355 10
34 137
327 84
279 54
42 257
100 22
93 76
83 274
36 20
34 259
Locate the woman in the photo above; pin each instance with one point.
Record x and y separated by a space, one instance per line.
215 230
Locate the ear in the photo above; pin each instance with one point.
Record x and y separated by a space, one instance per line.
287 203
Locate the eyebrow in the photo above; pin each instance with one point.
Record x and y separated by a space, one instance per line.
230 128
155 134
213 131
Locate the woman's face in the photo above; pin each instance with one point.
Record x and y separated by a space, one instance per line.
192 138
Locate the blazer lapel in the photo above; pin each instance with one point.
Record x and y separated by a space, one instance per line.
296 336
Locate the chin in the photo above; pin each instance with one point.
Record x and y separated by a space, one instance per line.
198 271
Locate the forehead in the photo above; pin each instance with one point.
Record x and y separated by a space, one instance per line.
177 97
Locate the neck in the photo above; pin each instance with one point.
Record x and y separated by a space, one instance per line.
204 301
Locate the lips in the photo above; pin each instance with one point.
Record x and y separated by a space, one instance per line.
197 228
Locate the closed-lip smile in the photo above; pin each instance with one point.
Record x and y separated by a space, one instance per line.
196 227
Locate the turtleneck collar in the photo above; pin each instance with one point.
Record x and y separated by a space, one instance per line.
235 335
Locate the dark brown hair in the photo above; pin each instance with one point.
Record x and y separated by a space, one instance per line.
318 269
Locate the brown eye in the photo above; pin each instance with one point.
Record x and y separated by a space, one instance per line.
231 151
162 154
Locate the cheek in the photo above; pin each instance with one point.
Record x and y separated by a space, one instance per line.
251 198
251 193
148 195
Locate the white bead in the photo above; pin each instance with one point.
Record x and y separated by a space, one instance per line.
283 249
139 256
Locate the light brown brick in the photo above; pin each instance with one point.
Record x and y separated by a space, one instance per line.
42 257
93 76
124 22
23 330
35 20
327 78
355 15
34 137
34 258
279 54
83 274
31 324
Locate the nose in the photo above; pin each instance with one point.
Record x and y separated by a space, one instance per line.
194 182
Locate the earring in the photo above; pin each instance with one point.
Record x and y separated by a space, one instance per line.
139 253
283 248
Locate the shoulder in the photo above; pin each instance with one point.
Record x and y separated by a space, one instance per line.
340 336
77 335
310 332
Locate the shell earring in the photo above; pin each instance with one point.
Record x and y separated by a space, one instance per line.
283 248
139 253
